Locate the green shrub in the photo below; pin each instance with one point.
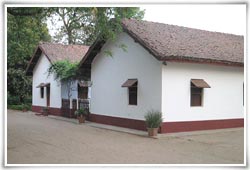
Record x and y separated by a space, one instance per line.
13 100
20 107
26 106
153 119
28 100
80 112
15 107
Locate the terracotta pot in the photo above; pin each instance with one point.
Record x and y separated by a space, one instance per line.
81 119
152 131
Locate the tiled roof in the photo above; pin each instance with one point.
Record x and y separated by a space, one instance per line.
176 43
56 52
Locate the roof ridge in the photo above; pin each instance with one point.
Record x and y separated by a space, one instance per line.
54 43
155 22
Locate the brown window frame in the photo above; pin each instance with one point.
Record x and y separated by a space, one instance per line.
132 95
196 96
42 92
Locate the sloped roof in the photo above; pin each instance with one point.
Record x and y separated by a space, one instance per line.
56 52
171 42
180 44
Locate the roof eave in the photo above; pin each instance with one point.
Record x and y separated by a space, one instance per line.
203 61
181 59
29 70
94 49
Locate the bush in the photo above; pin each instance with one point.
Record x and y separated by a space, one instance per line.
153 119
80 112
15 107
28 100
13 100
20 107
26 106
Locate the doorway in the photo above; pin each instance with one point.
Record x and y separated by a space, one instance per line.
48 95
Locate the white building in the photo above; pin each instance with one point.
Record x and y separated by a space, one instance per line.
46 91
194 77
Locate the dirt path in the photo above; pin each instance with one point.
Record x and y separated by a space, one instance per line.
35 139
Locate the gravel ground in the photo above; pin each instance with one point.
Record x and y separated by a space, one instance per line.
35 139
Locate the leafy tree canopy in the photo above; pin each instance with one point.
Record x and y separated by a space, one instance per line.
83 25
23 34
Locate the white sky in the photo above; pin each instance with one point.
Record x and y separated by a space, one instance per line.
220 18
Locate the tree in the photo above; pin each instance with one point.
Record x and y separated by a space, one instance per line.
25 28
83 25
66 73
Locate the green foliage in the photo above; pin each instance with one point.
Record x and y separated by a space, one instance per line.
25 28
108 20
18 84
13 100
20 107
108 53
28 100
83 25
26 106
15 107
124 47
80 112
153 119
66 73
64 70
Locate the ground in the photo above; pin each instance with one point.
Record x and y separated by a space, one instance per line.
35 139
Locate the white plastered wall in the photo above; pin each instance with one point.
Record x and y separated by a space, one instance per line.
224 100
109 73
40 75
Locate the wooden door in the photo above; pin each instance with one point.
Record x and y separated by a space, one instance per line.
48 95
82 92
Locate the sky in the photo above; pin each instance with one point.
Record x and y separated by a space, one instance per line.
219 18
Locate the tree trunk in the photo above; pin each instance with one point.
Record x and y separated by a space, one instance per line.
70 37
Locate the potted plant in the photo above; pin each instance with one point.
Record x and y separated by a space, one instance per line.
81 115
45 111
153 121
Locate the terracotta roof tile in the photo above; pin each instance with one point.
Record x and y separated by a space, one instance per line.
170 42
56 52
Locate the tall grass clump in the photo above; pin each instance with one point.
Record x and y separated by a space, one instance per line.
153 119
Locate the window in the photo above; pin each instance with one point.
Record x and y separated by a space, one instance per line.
132 95
196 96
197 86
132 90
42 92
